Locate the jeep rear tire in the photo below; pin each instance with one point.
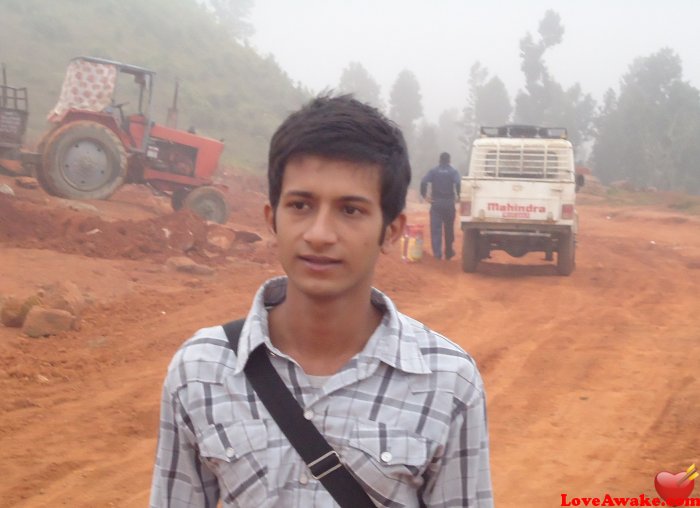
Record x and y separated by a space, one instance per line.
470 250
83 160
566 253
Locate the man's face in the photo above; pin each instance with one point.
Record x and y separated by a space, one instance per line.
328 225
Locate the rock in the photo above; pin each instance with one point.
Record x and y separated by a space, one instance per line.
6 189
15 310
27 182
41 322
80 207
247 237
221 240
186 265
64 295
11 312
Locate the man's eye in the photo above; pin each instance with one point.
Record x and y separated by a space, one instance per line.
351 210
298 205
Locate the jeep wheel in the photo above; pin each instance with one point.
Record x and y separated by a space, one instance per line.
83 160
470 250
209 203
566 254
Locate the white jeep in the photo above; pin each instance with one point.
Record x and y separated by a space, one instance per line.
519 196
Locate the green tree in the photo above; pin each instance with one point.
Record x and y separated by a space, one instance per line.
649 134
233 15
405 106
488 103
426 149
448 131
544 101
357 80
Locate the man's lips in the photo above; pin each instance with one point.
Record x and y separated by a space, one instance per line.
319 262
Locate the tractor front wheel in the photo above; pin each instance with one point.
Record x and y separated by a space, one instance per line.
209 203
177 198
83 160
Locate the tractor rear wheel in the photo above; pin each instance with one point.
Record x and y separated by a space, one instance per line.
209 203
83 160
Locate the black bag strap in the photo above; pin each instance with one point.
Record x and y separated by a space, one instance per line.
322 460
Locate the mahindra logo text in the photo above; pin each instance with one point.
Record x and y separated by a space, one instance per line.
509 207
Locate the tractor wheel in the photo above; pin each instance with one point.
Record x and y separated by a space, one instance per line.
177 198
83 160
470 250
209 203
566 254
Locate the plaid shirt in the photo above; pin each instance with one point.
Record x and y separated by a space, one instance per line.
407 416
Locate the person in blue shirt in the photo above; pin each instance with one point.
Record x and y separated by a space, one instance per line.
444 181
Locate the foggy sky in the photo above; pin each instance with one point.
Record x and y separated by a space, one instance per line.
314 40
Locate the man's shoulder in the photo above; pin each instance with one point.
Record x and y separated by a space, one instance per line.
443 356
206 356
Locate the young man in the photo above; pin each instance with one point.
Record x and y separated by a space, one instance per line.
445 187
402 406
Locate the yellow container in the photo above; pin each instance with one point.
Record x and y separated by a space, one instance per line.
412 243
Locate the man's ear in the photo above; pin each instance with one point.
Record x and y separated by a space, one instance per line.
270 218
393 233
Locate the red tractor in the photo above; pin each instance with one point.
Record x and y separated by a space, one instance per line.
94 146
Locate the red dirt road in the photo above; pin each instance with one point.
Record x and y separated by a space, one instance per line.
591 379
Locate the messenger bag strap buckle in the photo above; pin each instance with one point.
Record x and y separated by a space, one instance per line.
330 461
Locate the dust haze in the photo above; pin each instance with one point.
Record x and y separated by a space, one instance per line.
439 41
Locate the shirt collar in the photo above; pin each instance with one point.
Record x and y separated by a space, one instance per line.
393 342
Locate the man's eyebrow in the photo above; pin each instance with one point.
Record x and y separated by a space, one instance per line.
299 193
310 195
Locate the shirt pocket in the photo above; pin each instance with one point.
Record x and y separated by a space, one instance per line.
387 452
236 453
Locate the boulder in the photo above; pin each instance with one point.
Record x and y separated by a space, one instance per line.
15 310
6 189
41 322
64 295
186 265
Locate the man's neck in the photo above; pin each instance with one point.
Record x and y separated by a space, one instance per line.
323 335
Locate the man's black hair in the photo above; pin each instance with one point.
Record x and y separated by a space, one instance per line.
344 128
444 158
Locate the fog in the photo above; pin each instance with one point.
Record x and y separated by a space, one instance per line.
314 40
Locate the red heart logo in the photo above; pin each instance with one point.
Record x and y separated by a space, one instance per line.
670 487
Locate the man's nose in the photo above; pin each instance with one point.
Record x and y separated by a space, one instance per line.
321 230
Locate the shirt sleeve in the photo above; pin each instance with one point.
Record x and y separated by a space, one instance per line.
180 479
463 476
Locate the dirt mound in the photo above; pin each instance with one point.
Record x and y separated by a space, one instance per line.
29 225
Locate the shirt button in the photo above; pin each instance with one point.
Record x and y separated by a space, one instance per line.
230 452
308 414
385 456
303 479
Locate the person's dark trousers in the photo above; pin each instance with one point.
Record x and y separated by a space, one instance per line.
442 218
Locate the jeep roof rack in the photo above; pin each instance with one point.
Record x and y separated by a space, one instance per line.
524 131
